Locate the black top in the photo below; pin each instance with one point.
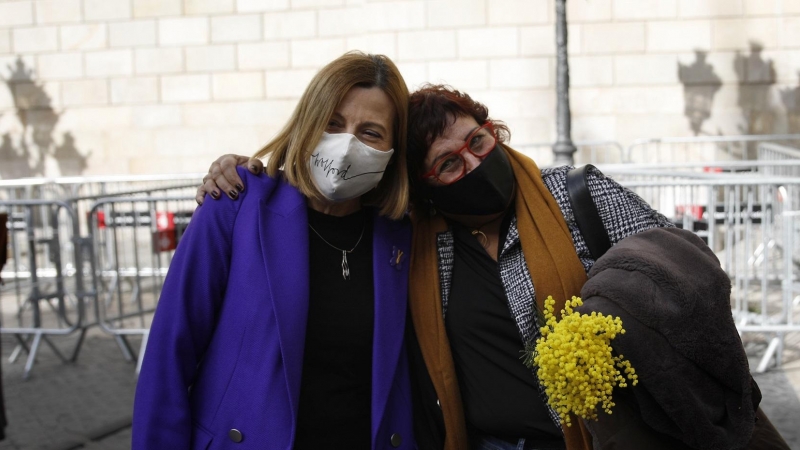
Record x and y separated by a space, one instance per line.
500 394
335 394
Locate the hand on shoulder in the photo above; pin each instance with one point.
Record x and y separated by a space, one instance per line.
223 177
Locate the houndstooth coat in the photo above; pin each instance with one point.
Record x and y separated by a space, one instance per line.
623 213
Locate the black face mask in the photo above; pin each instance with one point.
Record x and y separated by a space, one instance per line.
488 189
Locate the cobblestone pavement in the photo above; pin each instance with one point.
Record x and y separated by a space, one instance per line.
781 405
87 405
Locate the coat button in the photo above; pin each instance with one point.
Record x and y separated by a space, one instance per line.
396 440
235 435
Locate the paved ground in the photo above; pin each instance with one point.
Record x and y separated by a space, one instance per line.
87 405
781 400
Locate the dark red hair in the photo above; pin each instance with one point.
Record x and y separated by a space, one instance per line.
431 110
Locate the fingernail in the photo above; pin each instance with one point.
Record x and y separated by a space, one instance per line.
254 168
214 195
233 194
240 188
199 203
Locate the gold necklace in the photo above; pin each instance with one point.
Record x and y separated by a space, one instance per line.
345 265
481 237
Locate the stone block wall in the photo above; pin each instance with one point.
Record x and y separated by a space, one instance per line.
149 86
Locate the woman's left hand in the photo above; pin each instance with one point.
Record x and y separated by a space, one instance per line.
222 176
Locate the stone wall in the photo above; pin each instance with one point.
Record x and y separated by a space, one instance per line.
147 86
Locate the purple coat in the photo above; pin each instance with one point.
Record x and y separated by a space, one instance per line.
225 352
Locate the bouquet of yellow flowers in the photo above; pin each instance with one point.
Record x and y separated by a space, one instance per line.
575 361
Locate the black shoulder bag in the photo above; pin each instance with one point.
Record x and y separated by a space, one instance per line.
585 212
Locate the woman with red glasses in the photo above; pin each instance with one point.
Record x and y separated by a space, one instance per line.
493 237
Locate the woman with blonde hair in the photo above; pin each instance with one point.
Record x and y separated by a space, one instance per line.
281 321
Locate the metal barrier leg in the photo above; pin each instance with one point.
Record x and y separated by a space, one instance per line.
774 343
33 350
125 347
15 353
37 339
21 345
78 345
55 349
142 348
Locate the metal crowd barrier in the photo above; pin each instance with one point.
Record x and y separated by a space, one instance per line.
589 152
702 148
791 287
128 233
70 187
709 170
673 150
742 217
82 192
133 240
52 241
768 151
44 280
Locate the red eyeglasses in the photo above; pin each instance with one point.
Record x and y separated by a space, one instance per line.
453 167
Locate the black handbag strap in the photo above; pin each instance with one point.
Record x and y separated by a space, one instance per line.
585 212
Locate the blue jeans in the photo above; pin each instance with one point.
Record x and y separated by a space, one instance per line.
486 442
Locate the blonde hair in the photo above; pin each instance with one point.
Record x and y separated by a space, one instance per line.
291 149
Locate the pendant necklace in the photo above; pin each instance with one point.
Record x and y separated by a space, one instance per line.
480 235
345 266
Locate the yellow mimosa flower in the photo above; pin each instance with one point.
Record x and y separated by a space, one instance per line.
575 361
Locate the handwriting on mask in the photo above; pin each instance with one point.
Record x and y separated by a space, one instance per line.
326 164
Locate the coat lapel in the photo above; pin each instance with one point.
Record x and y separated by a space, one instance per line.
390 250
284 246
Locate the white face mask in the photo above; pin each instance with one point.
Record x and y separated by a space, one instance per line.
344 167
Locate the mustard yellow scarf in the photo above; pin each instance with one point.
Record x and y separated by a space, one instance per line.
553 265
